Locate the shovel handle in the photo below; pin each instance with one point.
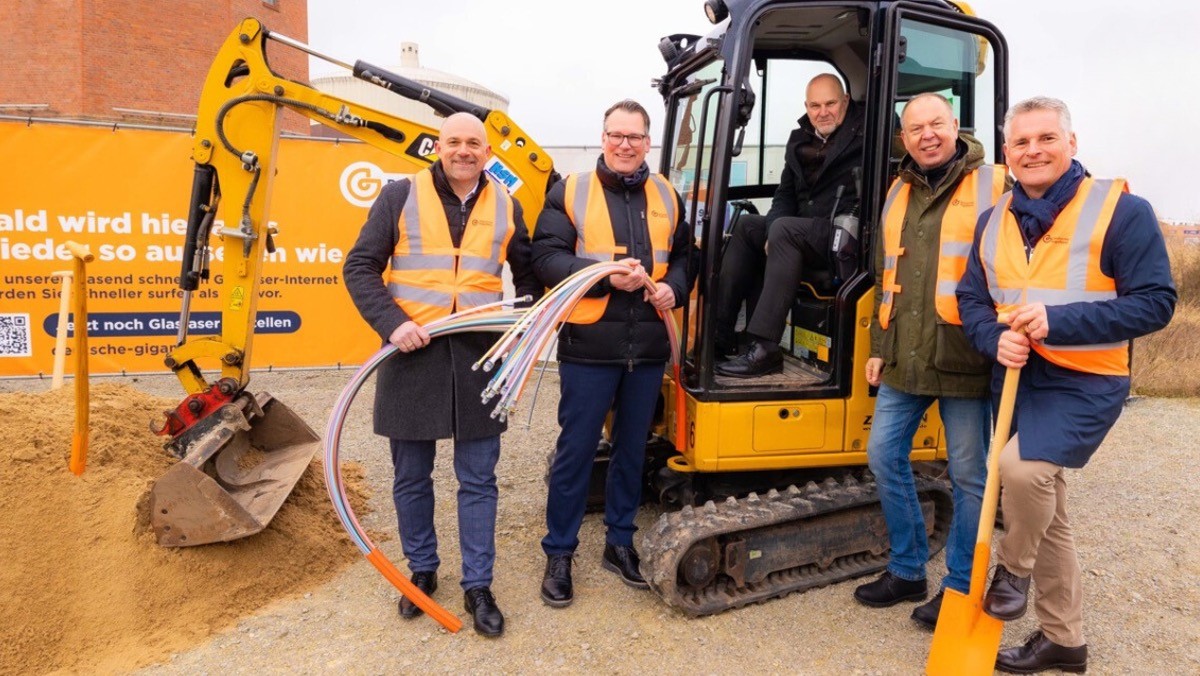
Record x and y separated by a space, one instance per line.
991 490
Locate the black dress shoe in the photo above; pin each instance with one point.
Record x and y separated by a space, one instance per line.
1008 596
624 561
926 614
480 602
426 581
1041 654
557 591
760 359
889 590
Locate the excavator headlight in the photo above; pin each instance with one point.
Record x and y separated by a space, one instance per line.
715 10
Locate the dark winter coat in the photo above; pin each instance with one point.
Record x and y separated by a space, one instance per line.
431 393
630 330
796 196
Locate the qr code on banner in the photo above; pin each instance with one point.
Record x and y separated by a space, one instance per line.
14 335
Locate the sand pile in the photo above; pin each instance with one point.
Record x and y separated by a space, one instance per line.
85 587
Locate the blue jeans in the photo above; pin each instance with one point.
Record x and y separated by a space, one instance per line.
587 393
968 427
412 491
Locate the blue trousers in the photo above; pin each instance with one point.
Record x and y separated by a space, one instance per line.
587 394
412 491
968 427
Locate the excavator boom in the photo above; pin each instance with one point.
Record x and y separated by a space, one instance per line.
241 454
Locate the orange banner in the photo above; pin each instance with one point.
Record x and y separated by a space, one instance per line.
124 193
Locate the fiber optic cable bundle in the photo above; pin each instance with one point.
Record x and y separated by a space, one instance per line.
520 346
526 333
493 317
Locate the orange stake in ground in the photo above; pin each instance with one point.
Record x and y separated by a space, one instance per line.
79 440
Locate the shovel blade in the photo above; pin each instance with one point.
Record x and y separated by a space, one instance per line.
966 639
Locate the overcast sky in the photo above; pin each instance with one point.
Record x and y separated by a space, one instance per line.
1130 71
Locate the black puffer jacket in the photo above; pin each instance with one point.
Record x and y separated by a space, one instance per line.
796 196
630 331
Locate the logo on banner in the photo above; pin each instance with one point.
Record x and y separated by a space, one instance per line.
500 171
361 182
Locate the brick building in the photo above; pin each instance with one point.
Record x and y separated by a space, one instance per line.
131 61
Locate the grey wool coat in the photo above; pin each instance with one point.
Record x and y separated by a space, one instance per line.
430 393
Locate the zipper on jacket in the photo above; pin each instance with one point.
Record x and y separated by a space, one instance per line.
634 227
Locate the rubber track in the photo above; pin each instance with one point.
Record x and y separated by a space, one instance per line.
675 532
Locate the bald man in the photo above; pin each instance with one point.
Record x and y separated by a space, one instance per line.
819 161
442 238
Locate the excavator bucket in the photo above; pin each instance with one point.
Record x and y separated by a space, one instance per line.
239 466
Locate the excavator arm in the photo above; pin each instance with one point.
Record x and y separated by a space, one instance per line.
241 454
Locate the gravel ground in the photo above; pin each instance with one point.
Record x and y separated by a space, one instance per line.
1134 513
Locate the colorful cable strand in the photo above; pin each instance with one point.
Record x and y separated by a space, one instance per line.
518 349
491 318
526 333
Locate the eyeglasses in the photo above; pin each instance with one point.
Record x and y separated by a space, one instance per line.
635 140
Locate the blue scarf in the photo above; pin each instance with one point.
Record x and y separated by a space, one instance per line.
1037 215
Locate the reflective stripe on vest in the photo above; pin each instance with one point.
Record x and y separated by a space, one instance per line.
587 210
429 276
1063 268
976 192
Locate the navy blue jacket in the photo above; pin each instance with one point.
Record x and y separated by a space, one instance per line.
1064 414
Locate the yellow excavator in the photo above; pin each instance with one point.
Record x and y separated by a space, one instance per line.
241 453
764 480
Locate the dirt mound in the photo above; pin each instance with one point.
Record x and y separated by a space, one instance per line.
87 588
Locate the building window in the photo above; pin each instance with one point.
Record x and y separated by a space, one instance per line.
273 4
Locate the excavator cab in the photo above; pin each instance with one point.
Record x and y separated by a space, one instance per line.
770 477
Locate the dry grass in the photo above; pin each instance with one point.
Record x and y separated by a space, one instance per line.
1167 363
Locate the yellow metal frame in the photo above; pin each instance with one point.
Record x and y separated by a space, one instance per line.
790 434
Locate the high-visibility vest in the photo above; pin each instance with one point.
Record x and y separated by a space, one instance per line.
977 191
1063 268
429 276
588 212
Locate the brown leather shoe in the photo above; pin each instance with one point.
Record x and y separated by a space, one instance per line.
426 581
1041 654
1008 596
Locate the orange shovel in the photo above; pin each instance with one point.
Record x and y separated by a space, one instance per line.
966 638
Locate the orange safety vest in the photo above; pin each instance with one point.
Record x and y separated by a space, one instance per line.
1063 268
977 191
430 277
588 212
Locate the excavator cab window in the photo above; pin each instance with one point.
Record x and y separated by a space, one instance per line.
727 165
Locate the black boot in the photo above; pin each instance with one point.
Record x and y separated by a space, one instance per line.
761 358
480 602
557 591
426 581
624 561
926 614
1008 596
889 590
1041 654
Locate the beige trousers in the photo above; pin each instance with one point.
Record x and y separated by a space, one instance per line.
1038 541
